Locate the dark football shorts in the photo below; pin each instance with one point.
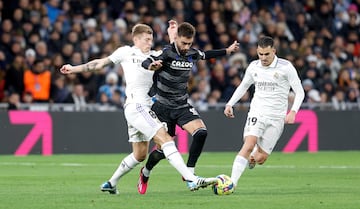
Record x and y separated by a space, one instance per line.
173 117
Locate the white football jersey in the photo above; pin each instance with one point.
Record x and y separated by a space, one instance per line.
138 80
272 86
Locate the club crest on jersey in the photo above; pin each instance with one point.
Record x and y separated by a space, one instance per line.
276 75
152 114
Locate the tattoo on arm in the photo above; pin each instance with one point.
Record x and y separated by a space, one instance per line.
91 66
95 65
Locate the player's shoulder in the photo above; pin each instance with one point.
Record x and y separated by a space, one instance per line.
126 48
284 62
195 51
253 64
168 47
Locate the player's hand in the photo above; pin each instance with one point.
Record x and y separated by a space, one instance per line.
290 117
229 112
155 65
172 30
172 25
233 48
66 69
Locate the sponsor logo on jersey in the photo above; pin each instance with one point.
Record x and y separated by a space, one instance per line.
181 64
266 86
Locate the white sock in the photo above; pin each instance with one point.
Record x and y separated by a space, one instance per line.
238 168
146 171
128 163
173 156
192 169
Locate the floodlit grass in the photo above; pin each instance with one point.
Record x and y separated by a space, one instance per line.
301 180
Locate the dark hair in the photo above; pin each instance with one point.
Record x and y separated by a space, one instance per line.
266 41
185 29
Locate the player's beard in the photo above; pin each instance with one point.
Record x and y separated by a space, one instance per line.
183 52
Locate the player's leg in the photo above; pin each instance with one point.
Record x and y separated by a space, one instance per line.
140 149
253 129
198 131
252 161
267 142
241 159
157 155
260 156
143 125
172 154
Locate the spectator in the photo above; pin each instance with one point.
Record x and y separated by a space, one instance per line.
95 27
338 100
30 57
53 10
313 99
110 86
218 80
15 76
41 50
38 81
117 99
27 98
77 97
59 91
14 101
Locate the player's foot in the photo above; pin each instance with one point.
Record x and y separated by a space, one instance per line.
142 183
107 187
251 163
200 183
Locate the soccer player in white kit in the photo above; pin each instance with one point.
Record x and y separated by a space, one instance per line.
272 77
143 124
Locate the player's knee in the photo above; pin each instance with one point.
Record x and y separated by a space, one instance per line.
140 156
200 134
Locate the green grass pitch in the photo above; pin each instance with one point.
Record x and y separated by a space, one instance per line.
303 180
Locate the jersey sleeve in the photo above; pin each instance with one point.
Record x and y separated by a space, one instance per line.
242 88
214 53
158 55
295 84
117 56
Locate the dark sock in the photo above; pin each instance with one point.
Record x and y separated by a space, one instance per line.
154 158
196 147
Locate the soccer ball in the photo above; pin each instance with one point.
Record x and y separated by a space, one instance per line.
224 185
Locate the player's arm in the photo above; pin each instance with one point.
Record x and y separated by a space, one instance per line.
155 62
172 30
296 86
221 52
93 65
239 92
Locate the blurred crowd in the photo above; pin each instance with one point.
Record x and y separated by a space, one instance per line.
320 37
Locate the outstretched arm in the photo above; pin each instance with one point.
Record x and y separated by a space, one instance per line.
93 65
222 52
172 30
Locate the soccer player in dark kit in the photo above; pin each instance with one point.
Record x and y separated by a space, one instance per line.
172 71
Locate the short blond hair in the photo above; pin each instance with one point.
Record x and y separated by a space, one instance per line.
140 29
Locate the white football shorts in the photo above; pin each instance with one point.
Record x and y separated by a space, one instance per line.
142 122
267 130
